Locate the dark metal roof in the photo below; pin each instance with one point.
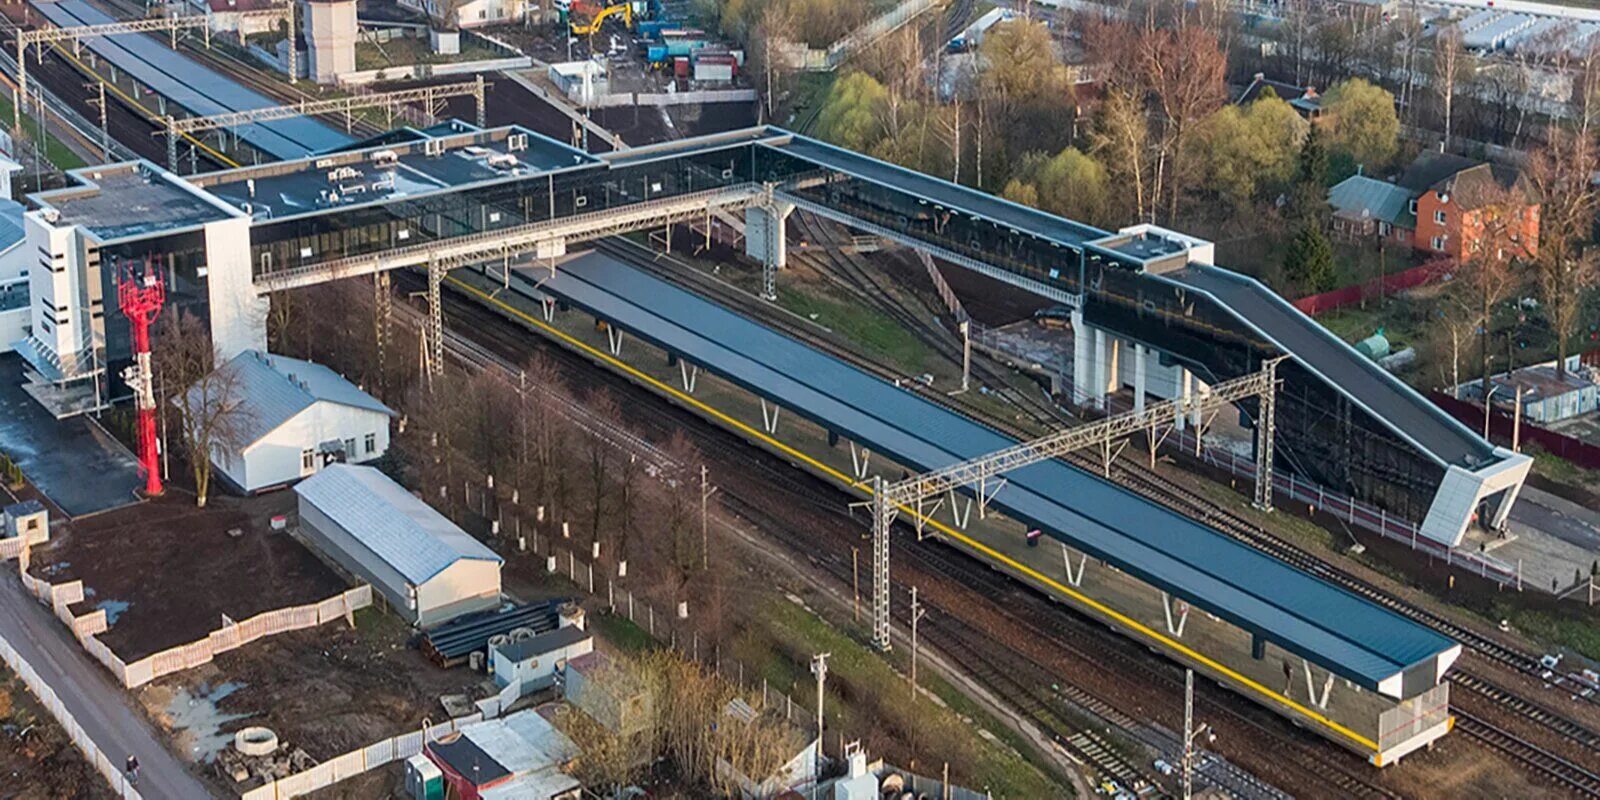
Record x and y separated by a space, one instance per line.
1300 613
1390 401
193 85
544 643
940 192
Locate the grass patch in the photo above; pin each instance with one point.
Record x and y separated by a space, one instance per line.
622 633
876 333
55 151
407 50
808 92
1572 632
1558 469
863 688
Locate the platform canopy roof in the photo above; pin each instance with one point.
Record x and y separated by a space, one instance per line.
1302 614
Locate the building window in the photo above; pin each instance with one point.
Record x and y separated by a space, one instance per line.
308 461
1438 216
1438 242
1384 229
1413 205
370 444
350 448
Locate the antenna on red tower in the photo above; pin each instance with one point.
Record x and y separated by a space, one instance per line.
141 293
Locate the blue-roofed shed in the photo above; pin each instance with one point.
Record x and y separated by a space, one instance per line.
429 570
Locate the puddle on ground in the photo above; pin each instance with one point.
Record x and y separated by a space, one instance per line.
197 722
113 609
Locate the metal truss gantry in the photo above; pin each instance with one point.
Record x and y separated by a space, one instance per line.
428 95
171 25
985 475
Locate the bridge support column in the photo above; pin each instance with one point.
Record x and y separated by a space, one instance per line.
1081 359
1138 378
238 312
764 240
382 313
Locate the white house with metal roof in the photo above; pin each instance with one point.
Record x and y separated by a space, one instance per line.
428 569
295 416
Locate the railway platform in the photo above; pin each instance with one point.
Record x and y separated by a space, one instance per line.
1381 718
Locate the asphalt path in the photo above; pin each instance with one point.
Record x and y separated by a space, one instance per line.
99 704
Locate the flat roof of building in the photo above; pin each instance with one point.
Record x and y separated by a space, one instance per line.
389 171
1290 608
117 201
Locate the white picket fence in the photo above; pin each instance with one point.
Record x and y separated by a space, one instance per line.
176 659
355 762
111 771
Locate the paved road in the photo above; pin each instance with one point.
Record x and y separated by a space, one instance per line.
1558 517
101 706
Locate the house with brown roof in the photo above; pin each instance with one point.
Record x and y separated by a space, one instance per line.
1467 209
1442 205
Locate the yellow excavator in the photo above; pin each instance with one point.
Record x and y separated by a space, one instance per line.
593 26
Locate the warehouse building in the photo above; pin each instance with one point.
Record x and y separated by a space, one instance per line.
294 417
429 570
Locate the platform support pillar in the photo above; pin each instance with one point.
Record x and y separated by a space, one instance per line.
1265 430
1175 622
690 374
1319 699
436 271
769 416
1074 577
882 517
860 460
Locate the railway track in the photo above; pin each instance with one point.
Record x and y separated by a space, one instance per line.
1536 759
1149 484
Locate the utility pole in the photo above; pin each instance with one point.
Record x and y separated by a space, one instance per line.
819 668
966 354
1190 733
917 612
1516 424
100 101
706 490
855 578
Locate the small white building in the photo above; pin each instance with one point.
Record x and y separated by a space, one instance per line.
535 662
426 568
581 81
295 416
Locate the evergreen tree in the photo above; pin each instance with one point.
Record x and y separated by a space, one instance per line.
1308 195
1309 259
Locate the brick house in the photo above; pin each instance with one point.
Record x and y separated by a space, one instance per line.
1442 205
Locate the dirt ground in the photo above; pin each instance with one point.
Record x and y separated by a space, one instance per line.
325 690
37 760
206 572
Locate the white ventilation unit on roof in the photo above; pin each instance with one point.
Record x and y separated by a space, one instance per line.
433 147
324 163
502 160
516 142
385 158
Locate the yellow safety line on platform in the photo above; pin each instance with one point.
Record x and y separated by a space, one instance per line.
117 90
1114 614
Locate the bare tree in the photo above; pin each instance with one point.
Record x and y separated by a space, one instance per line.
209 413
1452 65
606 413
1486 278
1560 173
1184 71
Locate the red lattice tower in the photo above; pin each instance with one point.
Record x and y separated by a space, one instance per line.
141 293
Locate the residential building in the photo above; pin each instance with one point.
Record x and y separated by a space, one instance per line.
1442 205
476 13
1467 208
1304 99
294 416
427 569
